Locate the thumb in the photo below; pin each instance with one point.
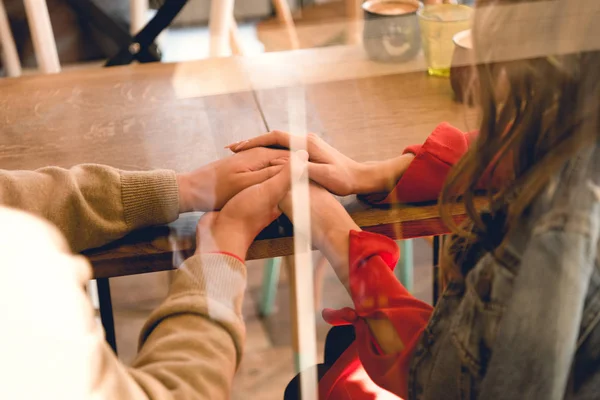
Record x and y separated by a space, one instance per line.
279 185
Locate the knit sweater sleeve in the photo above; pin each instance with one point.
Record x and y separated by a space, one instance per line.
190 346
93 204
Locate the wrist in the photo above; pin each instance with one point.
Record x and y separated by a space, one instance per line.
183 189
370 178
195 193
223 237
381 176
336 248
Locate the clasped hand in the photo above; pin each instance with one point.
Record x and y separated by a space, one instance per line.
252 189
234 227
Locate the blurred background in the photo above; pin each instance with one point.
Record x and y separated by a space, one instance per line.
318 23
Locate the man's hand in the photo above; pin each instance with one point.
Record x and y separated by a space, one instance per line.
208 188
234 228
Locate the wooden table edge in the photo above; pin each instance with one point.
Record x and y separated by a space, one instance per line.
166 253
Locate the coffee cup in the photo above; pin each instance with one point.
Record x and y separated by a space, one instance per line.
462 76
391 32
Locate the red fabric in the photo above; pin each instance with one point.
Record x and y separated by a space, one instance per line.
377 294
425 176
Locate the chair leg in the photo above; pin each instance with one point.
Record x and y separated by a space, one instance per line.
436 268
354 15
234 39
284 14
304 338
138 15
405 266
269 286
7 44
106 312
42 35
221 12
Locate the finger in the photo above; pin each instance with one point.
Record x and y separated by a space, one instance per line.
280 161
320 173
261 157
274 138
256 177
229 146
278 186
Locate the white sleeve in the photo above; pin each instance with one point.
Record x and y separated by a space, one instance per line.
50 342
52 347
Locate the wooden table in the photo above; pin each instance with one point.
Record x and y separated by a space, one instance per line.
180 116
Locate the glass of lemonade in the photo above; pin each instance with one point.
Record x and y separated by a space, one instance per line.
439 23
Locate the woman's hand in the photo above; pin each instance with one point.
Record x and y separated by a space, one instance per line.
328 167
331 169
208 188
233 229
330 227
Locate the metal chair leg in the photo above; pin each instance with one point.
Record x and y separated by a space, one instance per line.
436 269
106 312
405 266
269 286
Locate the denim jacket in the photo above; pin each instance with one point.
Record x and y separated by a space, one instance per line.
524 324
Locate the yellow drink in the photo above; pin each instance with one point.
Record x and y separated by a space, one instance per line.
439 23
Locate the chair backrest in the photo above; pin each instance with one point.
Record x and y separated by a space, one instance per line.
41 34
10 57
138 15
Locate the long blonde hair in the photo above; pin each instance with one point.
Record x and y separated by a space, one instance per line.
526 135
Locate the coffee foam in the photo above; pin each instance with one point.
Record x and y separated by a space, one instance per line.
390 7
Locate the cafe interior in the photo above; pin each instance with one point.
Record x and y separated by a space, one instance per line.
348 93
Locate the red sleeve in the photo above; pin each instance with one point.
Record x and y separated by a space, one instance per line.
377 294
424 178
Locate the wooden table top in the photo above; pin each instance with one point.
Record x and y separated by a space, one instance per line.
180 116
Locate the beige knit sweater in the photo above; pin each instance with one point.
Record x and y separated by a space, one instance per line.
189 347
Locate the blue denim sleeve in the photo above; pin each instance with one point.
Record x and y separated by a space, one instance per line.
536 339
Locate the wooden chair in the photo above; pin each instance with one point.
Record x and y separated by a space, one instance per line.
138 15
7 45
223 29
41 34
48 62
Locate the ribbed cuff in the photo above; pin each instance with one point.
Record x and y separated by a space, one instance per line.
220 277
211 285
149 198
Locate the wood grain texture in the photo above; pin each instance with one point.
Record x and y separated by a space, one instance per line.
136 117
372 118
127 117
